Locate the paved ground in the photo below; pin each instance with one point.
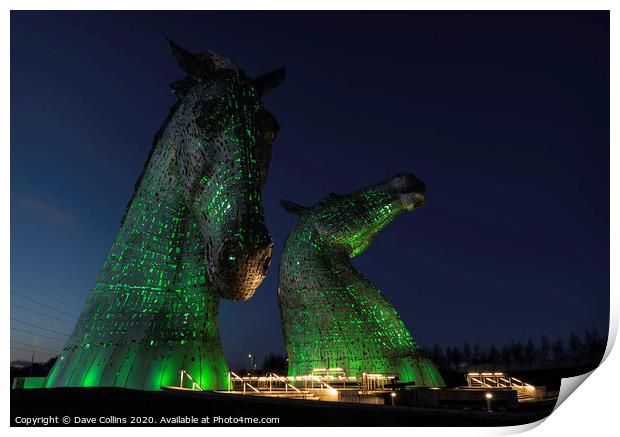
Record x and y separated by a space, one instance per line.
121 407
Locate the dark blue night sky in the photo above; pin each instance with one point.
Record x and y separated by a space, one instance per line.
505 116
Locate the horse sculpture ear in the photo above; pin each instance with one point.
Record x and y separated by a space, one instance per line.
191 64
269 80
293 207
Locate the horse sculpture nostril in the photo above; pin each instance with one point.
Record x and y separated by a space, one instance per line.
266 264
262 256
232 256
227 252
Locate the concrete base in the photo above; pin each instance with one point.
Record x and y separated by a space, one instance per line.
28 382
461 398
456 398
356 398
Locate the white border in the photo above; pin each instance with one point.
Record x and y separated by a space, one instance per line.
591 410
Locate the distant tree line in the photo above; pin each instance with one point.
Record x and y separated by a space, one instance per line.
275 363
574 350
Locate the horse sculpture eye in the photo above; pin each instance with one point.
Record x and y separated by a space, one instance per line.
208 106
210 118
204 122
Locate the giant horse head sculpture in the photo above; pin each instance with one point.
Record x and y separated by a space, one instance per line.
193 232
350 222
223 157
332 316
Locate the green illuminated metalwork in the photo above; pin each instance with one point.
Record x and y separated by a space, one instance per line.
332 316
193 232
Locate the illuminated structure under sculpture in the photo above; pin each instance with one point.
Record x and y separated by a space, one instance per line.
332 316
193 233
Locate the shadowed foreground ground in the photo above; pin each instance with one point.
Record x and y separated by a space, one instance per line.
109 406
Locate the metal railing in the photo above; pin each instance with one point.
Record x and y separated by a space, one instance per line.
329 388
284 380
371 382
501 380
232 376
329 383
194 383
273 384
495 380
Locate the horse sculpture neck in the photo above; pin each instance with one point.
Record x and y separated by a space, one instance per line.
341 306
152 310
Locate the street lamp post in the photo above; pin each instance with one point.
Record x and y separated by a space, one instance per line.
488 397
252 365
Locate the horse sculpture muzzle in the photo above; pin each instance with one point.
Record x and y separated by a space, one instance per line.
242 268
410 190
